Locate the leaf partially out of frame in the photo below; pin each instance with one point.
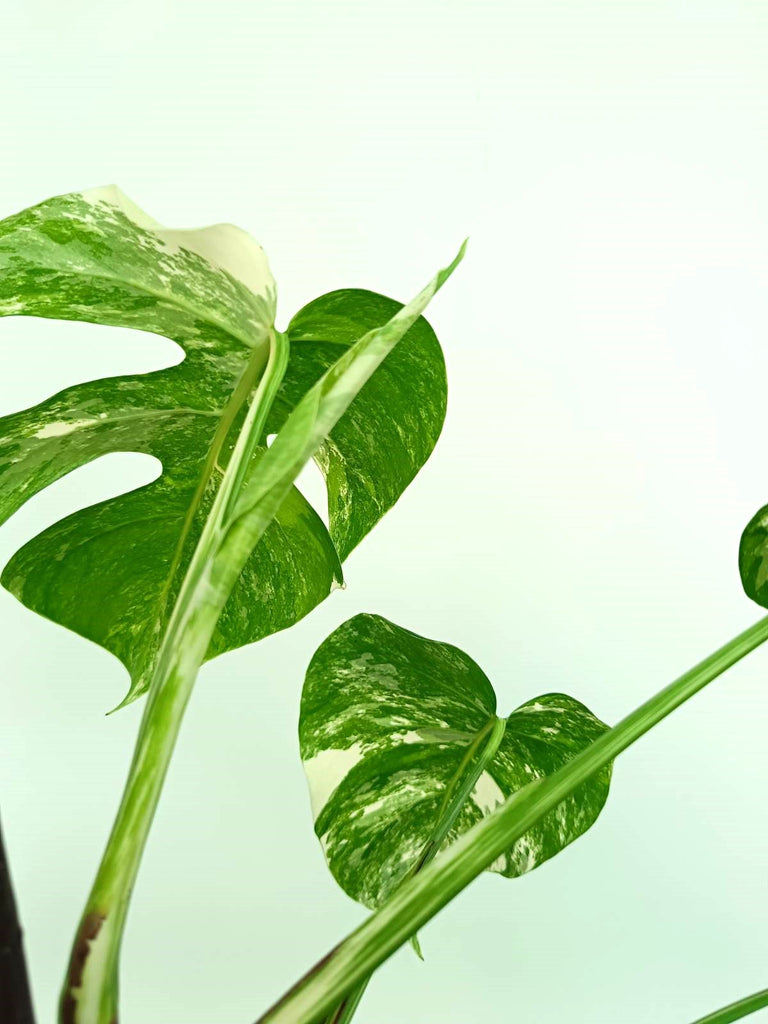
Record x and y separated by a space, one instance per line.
387 719
111 572
753 557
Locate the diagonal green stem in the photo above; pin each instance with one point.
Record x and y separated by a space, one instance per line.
479 755
90 994
480 752
735 1011
420 898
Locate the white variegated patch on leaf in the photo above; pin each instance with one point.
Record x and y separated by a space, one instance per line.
392 722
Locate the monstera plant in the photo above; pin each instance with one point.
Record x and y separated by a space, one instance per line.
416 783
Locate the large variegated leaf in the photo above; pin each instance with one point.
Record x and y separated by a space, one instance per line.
110 572
391 722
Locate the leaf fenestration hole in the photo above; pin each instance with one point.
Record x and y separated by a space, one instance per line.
103 478
42 357
311 483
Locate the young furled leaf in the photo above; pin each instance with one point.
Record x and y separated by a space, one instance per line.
111 572
404 752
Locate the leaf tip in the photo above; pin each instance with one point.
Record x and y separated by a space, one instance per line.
446 272
132 695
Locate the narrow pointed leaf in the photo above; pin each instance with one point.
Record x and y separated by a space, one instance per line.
387 720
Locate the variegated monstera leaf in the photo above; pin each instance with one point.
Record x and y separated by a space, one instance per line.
110 572
404 752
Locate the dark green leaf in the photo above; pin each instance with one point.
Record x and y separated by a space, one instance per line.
753 558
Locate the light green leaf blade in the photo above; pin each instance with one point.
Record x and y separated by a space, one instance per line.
387 719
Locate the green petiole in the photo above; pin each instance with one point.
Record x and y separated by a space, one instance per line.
480 752
90 992
735 1011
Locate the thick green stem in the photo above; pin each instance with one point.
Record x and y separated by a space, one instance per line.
419 899
735 1011
90 994
480 752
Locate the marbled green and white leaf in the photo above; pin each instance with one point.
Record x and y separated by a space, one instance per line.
110 572
388 722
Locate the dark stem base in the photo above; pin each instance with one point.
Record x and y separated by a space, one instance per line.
15 995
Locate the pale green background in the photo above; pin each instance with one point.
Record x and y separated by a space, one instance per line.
577 527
